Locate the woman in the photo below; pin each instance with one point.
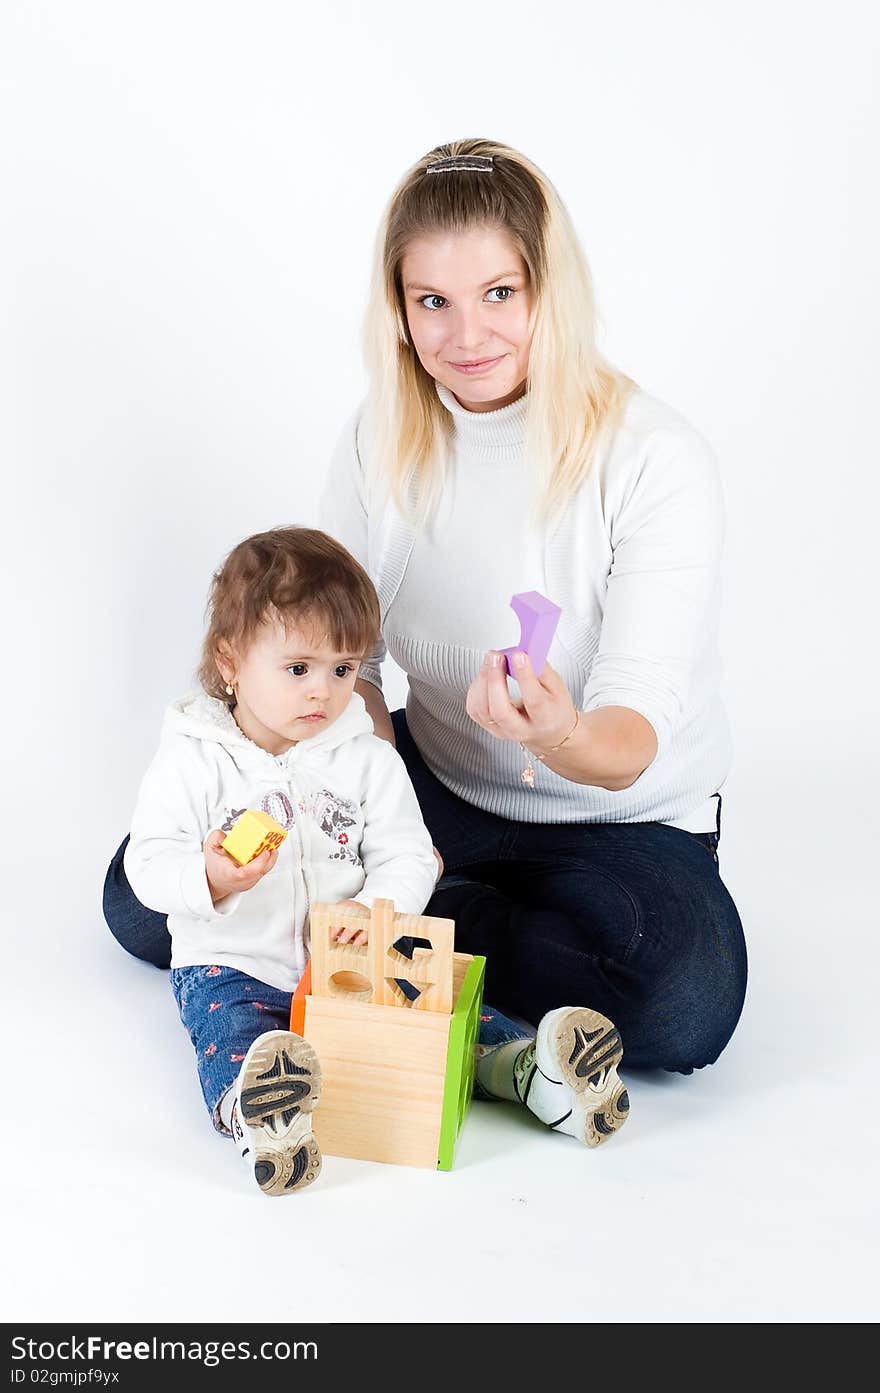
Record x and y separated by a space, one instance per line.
578 815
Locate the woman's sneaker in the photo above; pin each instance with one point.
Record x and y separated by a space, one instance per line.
568 1075
278 1086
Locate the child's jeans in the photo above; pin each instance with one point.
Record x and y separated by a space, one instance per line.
224 1012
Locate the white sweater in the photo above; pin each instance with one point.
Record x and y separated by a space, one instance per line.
354 832
634 564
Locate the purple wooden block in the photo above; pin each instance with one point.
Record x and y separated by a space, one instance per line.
538 618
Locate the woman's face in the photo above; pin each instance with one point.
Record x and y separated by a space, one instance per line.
468 304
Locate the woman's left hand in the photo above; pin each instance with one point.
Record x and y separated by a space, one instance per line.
545 716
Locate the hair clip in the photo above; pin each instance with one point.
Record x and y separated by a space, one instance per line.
481 164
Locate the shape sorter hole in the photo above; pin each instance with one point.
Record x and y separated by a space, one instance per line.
407 993
348 983
406 945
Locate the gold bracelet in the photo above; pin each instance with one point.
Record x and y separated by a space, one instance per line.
528 774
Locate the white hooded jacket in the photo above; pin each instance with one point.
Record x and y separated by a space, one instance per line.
354 827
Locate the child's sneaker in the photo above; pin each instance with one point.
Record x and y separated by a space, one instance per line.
568 1075
278 1086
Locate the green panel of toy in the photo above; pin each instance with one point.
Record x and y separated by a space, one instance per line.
464 1028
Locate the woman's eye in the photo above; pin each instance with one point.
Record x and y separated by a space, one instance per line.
298 669
503 293
432 302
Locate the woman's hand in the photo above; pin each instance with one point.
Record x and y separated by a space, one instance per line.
225 875
545 716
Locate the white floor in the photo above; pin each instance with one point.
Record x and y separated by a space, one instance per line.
744 1193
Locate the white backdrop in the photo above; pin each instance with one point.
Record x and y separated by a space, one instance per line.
191 194
190 190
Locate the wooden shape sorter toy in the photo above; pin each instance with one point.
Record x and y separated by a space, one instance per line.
253 833
394 1022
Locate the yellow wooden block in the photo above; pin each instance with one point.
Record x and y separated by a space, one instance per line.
253 833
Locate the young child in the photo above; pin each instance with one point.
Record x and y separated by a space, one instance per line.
277 726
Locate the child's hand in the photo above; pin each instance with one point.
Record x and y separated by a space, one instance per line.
350 933
225 875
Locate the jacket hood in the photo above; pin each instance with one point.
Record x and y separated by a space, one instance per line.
203 717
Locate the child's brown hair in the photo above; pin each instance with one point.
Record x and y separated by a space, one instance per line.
302 577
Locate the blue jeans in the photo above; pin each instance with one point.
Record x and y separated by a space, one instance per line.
631 919
224 1011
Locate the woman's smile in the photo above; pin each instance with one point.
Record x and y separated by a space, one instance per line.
481 365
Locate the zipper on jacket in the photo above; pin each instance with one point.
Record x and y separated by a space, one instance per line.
298 820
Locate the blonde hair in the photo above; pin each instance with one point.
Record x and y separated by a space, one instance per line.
572 390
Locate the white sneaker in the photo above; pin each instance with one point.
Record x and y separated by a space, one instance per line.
278 1085
568 1077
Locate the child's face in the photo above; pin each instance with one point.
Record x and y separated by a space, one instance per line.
289 685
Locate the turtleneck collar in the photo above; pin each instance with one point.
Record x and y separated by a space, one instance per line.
487 432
